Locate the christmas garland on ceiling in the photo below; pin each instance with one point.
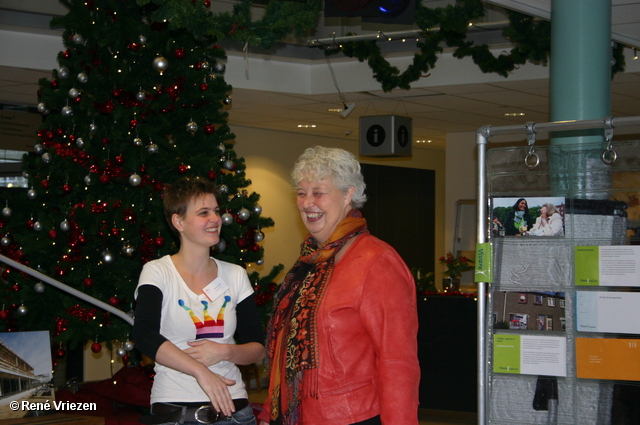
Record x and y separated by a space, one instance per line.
531 39
441 26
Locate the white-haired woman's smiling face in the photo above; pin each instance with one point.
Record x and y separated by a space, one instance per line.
322 206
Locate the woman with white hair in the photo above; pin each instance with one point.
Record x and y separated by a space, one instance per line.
342 339
549 223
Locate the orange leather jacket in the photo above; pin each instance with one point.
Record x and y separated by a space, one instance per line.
367 334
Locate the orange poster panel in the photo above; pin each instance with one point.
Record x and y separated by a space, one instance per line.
608 358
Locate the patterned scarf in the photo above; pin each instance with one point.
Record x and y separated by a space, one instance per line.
292 333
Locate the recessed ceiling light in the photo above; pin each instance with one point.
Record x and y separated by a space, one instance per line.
306 126
334 110
514 114
423 141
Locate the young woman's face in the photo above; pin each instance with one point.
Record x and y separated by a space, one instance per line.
201 223
522 205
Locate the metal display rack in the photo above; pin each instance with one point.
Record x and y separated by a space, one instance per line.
598 181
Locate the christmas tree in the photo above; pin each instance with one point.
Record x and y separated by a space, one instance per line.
138 101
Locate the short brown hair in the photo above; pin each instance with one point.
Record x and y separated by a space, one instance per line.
176 197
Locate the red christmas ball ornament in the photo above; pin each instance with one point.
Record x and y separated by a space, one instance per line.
72 137
211 175
66 54
119 159
209 129
30 224
133 124
207 3
117 92
54 84
255 247
96 347
53 234
77 100
204 86
159 241
133 46
115 231
59 131
105 141
104 179
60 353
241 242
143 169
66 189
16 288
179 53
114 301
44 184
87 282
182 168
4 314
198 67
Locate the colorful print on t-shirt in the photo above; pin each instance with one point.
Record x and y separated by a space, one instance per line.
210 328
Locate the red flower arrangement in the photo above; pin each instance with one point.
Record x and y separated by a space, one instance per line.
456 265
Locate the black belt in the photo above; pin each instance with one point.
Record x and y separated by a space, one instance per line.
188 412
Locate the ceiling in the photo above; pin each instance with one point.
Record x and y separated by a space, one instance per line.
438 104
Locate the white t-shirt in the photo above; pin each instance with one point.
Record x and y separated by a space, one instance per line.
188 317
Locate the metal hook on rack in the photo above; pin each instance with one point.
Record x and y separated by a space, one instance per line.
609 156
531 160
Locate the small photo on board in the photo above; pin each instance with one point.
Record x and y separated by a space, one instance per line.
527 216
25 372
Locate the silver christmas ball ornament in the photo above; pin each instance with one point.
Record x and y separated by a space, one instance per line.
142 39
192 127
67 111
74 93
140 96
107 256
80 142
128 250
78 39
46 157
39 287
227 219
160 64
22 310
31 194
5 241
37 226
41 107
65 226
260 262
38 148
93 128
121 352
128 345
6 211
205 65
87 179
152 148
222 148
137 141
220 246
223 188
244 214
83 77
63 72
257 209
227 101
135 179
258 237
219 67
25 175
228 164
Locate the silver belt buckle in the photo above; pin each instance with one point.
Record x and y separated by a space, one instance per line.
196 415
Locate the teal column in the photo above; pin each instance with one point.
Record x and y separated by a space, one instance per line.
580 64
580 89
